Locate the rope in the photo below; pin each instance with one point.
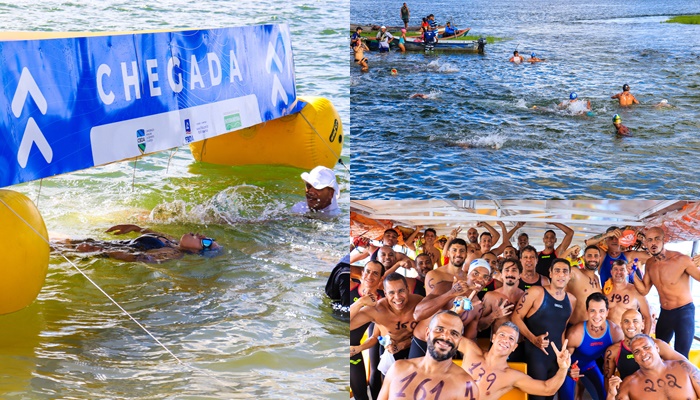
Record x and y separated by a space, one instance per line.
172 153
133 176
38 195
324 142
187 365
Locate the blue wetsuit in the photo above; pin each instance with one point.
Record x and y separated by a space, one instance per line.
606 267
586 354
550 317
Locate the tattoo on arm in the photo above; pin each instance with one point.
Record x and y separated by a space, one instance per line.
521 304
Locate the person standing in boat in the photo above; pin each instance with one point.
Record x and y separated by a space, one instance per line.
384 38
405 15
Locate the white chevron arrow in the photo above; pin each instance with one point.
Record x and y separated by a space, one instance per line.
27 86
32 134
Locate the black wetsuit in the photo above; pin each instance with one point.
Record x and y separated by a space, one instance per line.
625 361
525 286
679 322
544 261
358 377
550 317
420 288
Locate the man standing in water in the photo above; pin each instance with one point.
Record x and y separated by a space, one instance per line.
670 272
626 98
384 38
434 373
619 128
542 315
405 15
321 193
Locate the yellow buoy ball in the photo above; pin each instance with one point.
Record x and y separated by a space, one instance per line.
25 255
305 140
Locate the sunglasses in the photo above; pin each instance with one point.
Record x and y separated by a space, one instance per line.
206 243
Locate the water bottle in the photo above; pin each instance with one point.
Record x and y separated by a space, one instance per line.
465 302
635 270
385 340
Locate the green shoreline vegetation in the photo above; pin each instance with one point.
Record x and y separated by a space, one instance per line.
685 19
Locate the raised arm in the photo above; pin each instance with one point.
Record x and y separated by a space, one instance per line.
433 303
691 269
362 311
453 236
494 233
409 240
507 235
643 286
568 236
599 238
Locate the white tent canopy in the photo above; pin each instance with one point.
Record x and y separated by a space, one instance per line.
586 217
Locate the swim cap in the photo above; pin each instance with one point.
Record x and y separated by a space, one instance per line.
479 263
625 87
403 30
383 27
573 96
394 71
532 55
616 118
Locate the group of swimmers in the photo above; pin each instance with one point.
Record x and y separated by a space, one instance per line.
576 321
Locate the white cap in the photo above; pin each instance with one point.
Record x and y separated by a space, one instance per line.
383 27
479 263
320 178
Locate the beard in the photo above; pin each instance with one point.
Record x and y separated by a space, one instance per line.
441 357
510 280
591 266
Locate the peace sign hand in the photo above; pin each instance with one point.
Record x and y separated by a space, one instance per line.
563 356
455 232
503 310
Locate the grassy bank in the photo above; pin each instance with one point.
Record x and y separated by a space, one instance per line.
685 19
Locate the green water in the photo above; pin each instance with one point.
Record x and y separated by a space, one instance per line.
251 323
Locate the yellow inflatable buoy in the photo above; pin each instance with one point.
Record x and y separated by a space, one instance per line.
25 255
306 140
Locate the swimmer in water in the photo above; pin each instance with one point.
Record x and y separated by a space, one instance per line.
360 58
573 102
517 58
533 58
150 247
663 104
626 98
619 128
419 96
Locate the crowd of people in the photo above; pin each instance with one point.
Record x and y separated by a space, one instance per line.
579 320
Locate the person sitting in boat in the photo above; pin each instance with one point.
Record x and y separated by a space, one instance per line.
619 128
384 38
432 31
451 31
321 194
517 58
534 58
151 247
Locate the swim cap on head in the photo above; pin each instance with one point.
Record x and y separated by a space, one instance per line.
394 71
625 87
573 96
383 27
532 55
403 30
616 118
479 263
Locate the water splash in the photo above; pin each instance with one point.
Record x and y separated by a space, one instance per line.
242 203
439 66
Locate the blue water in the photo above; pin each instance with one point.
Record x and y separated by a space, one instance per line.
477 134
251 323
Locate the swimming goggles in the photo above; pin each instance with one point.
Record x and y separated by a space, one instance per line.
206 243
